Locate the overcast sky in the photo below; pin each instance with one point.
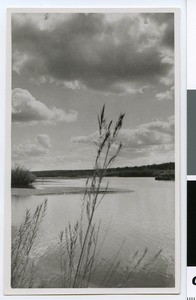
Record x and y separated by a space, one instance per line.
66 66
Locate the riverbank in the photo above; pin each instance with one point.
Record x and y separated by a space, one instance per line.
60 190
165 170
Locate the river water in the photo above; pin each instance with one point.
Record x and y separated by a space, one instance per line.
141 218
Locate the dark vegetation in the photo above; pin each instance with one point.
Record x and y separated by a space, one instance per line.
163 171
22 178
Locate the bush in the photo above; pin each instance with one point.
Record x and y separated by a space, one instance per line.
22 178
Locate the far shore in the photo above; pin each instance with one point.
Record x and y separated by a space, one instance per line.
164 171
60 190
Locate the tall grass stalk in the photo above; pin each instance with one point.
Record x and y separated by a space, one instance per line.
106 139
23 242
81 244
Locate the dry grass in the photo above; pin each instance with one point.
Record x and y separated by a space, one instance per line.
79 242
23 242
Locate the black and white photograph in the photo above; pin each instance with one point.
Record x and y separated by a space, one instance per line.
93 161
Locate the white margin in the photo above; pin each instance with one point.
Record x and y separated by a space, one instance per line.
182 155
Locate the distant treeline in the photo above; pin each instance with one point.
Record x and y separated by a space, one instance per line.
163 171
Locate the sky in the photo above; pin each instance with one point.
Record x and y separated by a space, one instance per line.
65 67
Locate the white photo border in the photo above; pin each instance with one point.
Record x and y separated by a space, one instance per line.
7 242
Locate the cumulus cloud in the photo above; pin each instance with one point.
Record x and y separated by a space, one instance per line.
41 146
95 51
157 133
26 109
167 95
166 20
155 137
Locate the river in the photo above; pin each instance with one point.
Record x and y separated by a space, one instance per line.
142 217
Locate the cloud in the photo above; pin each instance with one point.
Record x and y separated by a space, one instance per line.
26 109
167 95
165 20
82 139
86 139
39 147
95 51
44 140
155 137
147 135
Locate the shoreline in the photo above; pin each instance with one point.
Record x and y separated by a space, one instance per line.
60 190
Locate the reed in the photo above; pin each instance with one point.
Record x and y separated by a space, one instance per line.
79 242
23 242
